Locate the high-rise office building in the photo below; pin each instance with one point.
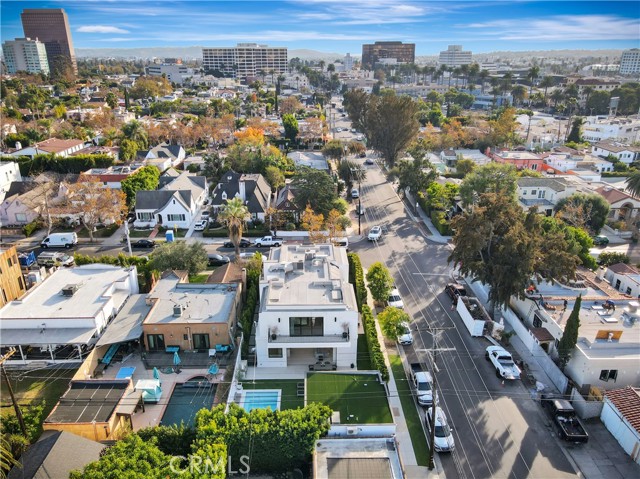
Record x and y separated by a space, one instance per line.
380 51
245 60
630 62
454 56
25 55
51 27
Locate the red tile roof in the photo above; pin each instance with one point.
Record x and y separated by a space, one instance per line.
56 145
627 401
621 268
612 195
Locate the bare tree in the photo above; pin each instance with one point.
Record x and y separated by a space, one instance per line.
43 196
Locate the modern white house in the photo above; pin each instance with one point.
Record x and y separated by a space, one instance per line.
624 278
625 130
624 153
621 416
308 313
174 205
9 172
61 318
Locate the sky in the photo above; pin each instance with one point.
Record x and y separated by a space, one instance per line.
342 26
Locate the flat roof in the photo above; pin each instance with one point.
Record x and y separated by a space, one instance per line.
355 458
307 275
51 335
88 401
200 303
95 287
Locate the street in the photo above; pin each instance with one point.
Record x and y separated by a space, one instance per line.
499 430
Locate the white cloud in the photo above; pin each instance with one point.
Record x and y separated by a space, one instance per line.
101 29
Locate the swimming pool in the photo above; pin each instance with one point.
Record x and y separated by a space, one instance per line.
187 399
261 399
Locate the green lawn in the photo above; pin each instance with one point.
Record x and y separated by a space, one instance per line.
198 278
364 360
103 232
140 233
360 398
289 398
411 415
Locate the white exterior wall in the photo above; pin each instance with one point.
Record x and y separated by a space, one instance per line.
561 163
173 207
586 370
624 132
11 209
345 351
625 156
620 428
627 283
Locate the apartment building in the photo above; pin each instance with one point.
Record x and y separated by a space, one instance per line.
12 283
245 60
380 51
454 56
622 130
51 27
308 313
25 55
630 62
174 72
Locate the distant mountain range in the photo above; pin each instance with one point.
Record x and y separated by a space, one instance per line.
195 53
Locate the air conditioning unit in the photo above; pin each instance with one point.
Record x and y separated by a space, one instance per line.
352 431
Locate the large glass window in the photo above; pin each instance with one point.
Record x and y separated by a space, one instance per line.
179 217
145 216
306 326
201 341
155 342
275 352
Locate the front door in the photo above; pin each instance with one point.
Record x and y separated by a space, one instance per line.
155 342
159 219
201 341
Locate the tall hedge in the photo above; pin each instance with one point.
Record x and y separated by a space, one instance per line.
373 345
356 278
63 165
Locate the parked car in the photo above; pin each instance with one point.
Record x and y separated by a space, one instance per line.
200 225
60 240
244 243
143 243
55 259
503 362
248 255
566 420
600 240
454 290
443 436
395 300
218 260
355 193
405 338
369 161
375 233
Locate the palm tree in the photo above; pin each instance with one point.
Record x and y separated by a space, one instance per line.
633 184
234 215
572 103
134 130
532 76
483 75
546 83
519 93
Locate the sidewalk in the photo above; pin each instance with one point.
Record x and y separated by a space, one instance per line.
434 234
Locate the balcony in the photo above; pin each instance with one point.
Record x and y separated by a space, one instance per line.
325 339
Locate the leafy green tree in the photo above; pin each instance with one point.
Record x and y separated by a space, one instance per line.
498 244
380 282
291 128
350 171
608 258
587 211
440 197
333 149
134 130
146 178
274 177
465 166
128 150
570 334
234 215
112 100
576 134
414 175
180 255
391 320
355 103
598 102
498 178
174 440
316 188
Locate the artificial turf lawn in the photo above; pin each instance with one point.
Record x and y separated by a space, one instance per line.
288 398
411 416
359 398
364 359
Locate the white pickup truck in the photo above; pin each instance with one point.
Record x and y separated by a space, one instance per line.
423 383
268 241
503 362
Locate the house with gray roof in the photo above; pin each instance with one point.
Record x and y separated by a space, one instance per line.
252 188
174 153
175 204
543 193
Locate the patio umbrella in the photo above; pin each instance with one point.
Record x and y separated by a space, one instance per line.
156 374
176 359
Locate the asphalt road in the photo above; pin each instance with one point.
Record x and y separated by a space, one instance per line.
499 430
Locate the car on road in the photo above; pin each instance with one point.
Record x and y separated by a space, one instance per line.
355 193
375 233
244 243
405 338
443 436
600 240
200 225
360 210
369 161
395 300
55 259
143 243
249 255
218 260
339 130
455 290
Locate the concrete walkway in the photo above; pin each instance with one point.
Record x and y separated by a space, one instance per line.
416 213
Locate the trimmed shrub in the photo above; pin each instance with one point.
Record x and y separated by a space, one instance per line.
30 228
356 277
373 345
440 222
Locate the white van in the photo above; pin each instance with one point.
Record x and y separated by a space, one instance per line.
344 242
60 240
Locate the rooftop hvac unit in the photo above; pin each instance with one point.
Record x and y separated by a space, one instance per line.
177 310
69 290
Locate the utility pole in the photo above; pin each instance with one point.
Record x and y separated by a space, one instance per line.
432 421
126 232
11 352
358 174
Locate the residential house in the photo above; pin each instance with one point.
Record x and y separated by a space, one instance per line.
111 177
308 312
175 204
311 159
588 85
173 154
60 319
571 163
623 130
286 202
624 278
53 146
56 454
450 157
624 153
543 193
197 161
520 159
253 189
12 284
623 206
26 201
343 457
194 317
9 173
621 416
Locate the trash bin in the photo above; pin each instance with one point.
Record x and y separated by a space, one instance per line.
169 236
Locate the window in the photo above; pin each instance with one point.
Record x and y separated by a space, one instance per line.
275 352
541 193
175 217
306 326
155 342
145 216
201 341
9 262
537 322
20 283
609 374
21 217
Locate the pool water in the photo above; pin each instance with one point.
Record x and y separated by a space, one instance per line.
261 399
187 399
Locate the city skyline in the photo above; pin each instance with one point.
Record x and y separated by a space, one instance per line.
343 26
